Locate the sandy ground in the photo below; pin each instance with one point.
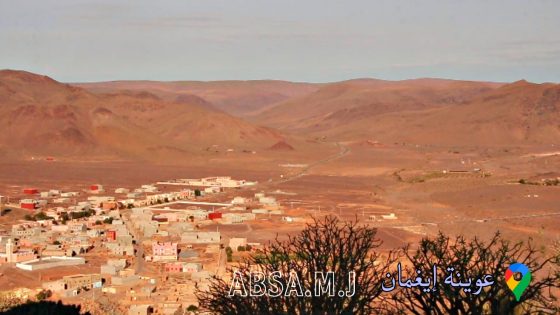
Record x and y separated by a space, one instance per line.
362 182
357 184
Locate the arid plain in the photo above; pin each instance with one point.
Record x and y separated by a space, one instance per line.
440 154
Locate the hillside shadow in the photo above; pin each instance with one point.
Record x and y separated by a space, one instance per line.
45 308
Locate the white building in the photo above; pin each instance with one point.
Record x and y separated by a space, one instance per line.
390 216
238 201
122 191
259 211
50 262
199 237
69 194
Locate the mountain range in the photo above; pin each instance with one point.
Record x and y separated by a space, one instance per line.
153 120
39 115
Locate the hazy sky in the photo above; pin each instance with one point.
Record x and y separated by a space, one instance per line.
299 40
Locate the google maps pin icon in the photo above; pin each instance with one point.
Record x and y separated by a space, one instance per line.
518 277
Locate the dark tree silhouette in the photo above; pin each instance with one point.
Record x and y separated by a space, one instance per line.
45 308
476 258
324 245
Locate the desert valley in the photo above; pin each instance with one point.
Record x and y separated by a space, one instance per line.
163 177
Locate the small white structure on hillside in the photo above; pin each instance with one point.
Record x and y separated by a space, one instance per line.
390 216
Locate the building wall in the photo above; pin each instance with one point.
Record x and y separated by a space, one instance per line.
214 215
55 286
81 281
201 237
164 251
23 256
60 261
28 206
173 267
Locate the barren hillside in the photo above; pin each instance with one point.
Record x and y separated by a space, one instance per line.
235 97
39 115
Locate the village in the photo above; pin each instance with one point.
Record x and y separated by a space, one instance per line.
142 250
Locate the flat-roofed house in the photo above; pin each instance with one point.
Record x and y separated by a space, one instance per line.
199 237
164 251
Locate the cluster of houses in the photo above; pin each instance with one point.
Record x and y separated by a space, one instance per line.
145 195
119 240
216 181
169 228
